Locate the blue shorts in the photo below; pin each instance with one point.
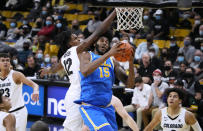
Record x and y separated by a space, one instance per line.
98 118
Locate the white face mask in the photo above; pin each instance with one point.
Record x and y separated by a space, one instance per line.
151 54
139 87
157 78
197 22
15 62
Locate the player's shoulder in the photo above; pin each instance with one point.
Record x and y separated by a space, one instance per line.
17 73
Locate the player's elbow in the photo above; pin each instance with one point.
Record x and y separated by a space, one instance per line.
84 72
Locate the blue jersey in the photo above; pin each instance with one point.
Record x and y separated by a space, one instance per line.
96 88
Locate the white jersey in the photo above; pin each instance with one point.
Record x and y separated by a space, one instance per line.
174 124
12 90
3 115
71 64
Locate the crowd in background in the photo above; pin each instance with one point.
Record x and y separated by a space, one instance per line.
42 44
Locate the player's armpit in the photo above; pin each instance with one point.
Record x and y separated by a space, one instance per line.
155 121
10 123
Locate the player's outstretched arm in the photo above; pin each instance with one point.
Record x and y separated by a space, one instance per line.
121 74
191 120
117 104
99 31
10 123
20 78
155 121
87 67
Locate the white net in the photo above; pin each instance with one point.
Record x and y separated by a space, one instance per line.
129 18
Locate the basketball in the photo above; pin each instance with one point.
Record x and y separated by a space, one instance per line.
125 54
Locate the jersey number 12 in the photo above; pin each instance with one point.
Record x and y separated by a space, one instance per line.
68 64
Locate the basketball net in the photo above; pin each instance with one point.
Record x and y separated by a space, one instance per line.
129 18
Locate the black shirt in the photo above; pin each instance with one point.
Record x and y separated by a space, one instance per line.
31 71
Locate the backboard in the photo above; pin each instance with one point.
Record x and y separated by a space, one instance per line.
149 3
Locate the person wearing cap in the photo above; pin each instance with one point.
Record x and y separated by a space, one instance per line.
160 28
155 100
173 50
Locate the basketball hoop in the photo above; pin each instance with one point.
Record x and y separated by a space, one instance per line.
129 18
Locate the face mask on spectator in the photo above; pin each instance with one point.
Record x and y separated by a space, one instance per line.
13 24
172 44
15 62
48 22
188 75
180 58
167 67
145 17
197 22
186 16
44 12
157 17
151 54
201 32
58 25
139 87
47 59
157 78
25 22
186 43
39 55
197 58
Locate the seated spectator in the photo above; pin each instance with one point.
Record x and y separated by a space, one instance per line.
180 58
144 46
164 56
139 100
47 62
3 29
76 27
185 23
155 61
39 56
181 70
155 100
16 65
11 34
160 27
32 67
145 70
37 27
173 50
188 50
48 29
25 22
44 14
22 55
198 38
35 11
198 58
189 78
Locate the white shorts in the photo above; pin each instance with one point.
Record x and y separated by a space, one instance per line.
21 119
73 121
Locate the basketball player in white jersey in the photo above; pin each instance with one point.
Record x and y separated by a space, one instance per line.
174 117
11 83
7 120
70 62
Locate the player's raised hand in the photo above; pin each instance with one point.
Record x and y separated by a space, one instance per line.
116 49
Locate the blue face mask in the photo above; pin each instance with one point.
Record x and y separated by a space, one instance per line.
25 22
48 22
201 33
13 24
39 56
44 12
186 43
146 17
197 58
58 25
173 44
158 17
180 58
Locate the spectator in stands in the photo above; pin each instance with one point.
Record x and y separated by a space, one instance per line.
54 60
145 70
39 56
11 34
140 100
26 22
147 23
185 23
32 68
180 58
173 50
22 55
44 14
188 50
155 61
155 100
198 38
160 28
3 29
35 11
169 75
198 58
47 62
37 27
189 78
16 65
59 27
48 29
144 46
181 70
164 56
59 15
76 27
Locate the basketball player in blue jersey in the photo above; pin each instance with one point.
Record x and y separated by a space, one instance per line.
174 117
97 72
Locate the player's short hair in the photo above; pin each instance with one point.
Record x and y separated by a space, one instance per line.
177 90
4 55
39 126
1 97
138 80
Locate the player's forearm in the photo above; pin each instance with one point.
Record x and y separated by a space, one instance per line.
131 123
91 67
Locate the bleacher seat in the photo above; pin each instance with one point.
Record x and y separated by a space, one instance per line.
179 32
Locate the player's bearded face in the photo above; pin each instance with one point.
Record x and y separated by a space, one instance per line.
102 46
